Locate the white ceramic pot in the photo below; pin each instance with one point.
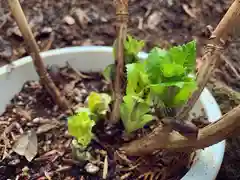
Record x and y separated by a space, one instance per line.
95 58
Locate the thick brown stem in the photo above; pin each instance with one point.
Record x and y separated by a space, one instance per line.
217 40
213 133
122 19
228 125
34 51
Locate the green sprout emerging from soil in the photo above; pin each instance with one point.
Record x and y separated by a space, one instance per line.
80 124
165 79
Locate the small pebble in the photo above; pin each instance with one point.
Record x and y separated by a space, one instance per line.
69 20
30 124
14 110
66 134
83 91
55 108
23 119
91 168
78 99
48 142
36 120
20 103
14 162
30 98
47 30
20 98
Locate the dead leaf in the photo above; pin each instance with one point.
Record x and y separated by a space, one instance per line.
68 88
81 17
45 128
23 113
189 11
154 19
105 168
5 49
27 145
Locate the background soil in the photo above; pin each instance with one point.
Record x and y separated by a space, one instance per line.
62 23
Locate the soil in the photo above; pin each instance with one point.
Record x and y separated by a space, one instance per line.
62 23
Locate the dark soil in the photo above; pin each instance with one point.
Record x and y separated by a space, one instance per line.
161 23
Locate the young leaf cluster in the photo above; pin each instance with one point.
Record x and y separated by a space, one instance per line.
131 48
80 124
164 79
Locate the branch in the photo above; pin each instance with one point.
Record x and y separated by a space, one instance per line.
122 19
211 58
227 126
34 51
160 139
223 88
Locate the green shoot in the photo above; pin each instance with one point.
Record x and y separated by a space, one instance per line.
131 49
164 79
170 73
80 126
98 103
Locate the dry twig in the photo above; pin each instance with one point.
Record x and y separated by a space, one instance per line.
33 48
122 19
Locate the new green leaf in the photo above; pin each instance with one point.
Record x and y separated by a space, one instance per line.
137 79
98 103
80 126
134 113
133 46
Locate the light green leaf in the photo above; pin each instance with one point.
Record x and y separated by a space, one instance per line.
185 92
83 109
99 103
171 70
137 79
109 72
134 113
80 126
133 46
184 55
156 58
172 93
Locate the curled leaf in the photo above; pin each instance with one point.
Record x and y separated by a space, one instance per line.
99 103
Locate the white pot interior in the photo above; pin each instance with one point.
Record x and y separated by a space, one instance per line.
95 58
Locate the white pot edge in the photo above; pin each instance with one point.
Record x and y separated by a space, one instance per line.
208 161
